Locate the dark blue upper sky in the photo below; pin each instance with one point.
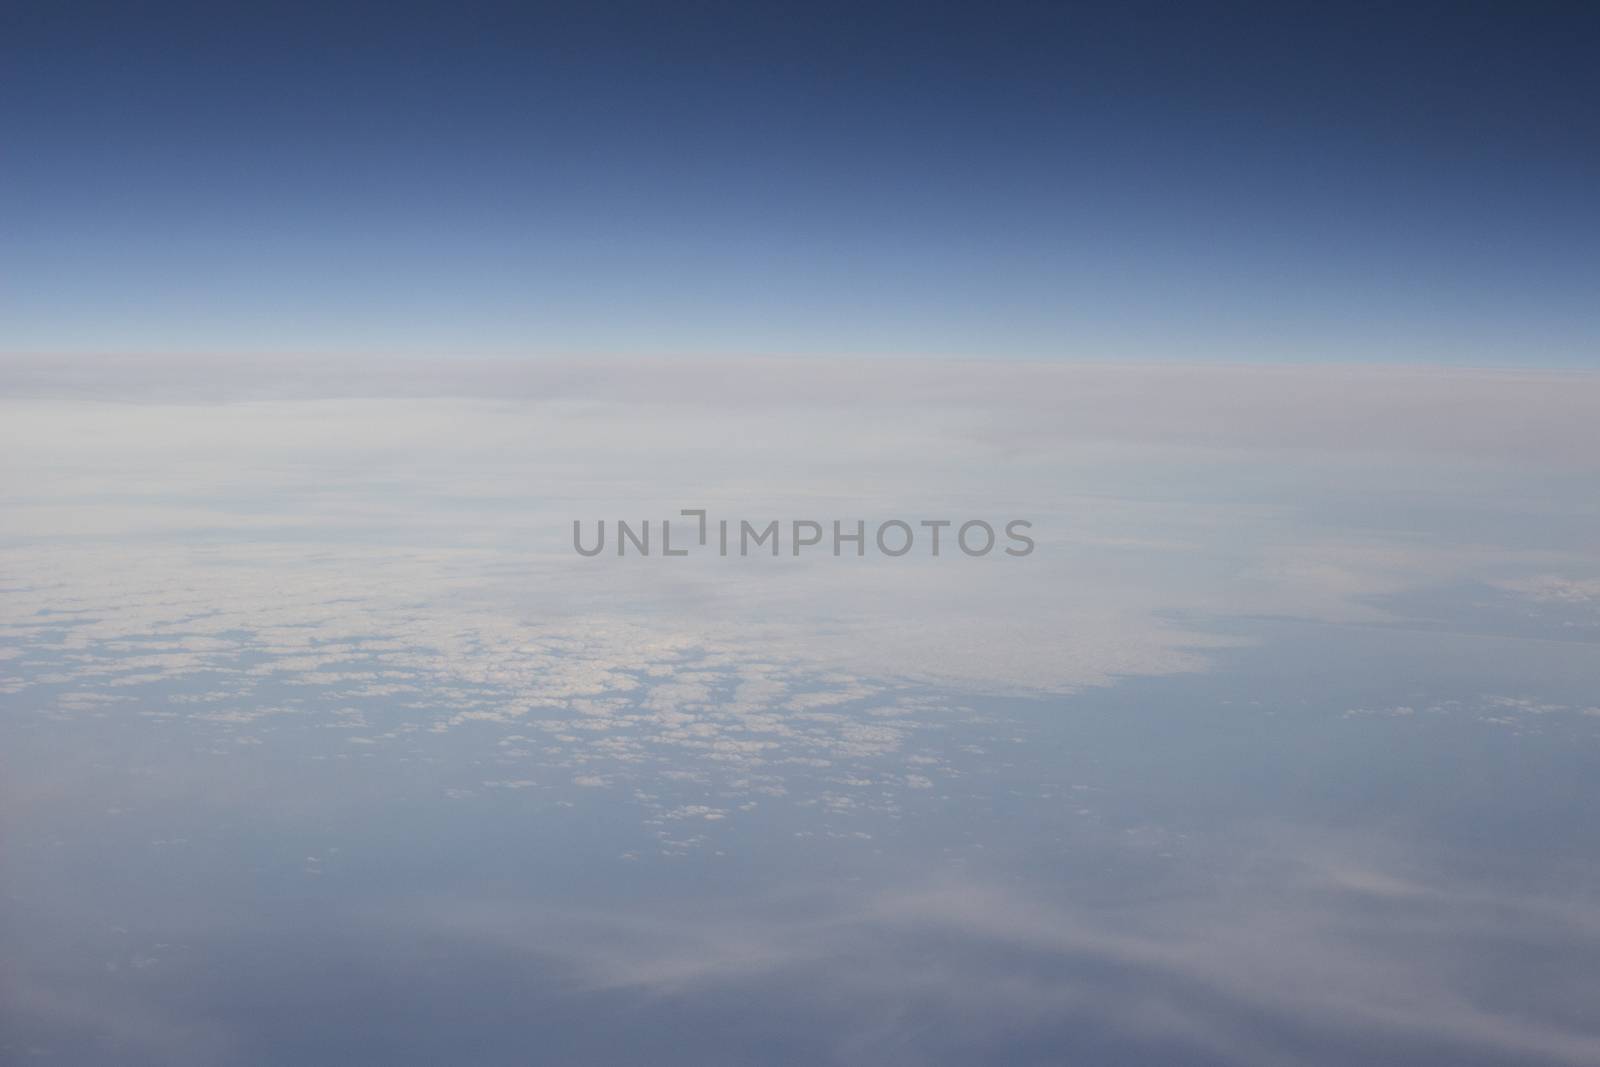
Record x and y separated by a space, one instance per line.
1384 182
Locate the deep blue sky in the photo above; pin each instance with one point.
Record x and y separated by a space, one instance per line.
1143 181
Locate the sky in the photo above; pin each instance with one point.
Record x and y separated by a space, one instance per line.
323 327
1269 183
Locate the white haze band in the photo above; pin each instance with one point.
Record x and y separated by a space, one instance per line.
894 537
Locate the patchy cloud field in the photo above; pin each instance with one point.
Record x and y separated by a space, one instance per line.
1279 748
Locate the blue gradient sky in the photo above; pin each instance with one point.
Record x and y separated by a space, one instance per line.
1272 183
